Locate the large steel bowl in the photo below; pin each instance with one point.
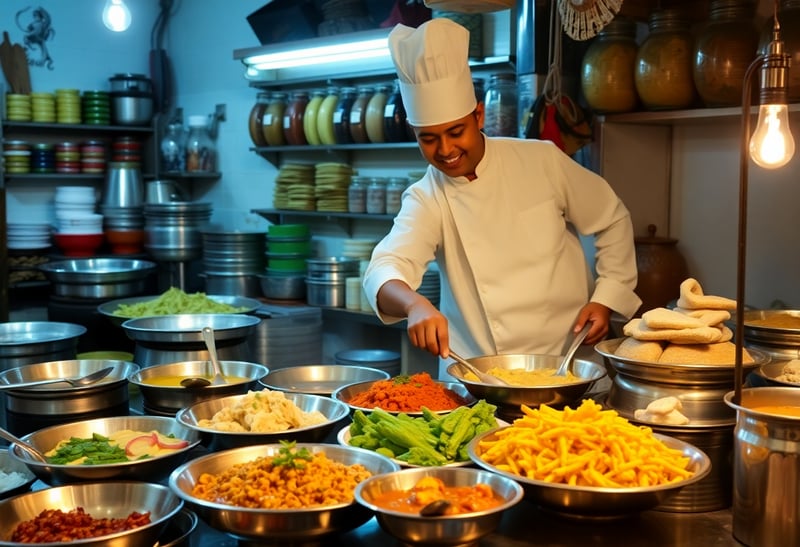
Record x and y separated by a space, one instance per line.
171 399
11 465
347 392
98 277
767 375
463 529
149 469
100 500
599 502
27 342
107 309
187 328
320 379
509 399
276 525
334 411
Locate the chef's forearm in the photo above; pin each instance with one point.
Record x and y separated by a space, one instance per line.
396 298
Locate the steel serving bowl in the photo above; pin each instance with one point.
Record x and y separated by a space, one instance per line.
11 465
171 399
107 309
179 529
26 342
460 529
100 500
187 328
767 375
149 469
334 411
320 379
276 525
347 392
98 277
509 399
599 502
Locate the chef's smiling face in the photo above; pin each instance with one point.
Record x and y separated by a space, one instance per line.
456 147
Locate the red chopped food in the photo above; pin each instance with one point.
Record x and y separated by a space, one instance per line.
54 525
408 394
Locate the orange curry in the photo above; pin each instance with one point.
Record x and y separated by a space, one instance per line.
463 499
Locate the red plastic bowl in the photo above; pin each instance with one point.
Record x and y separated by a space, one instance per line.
78 244
125 242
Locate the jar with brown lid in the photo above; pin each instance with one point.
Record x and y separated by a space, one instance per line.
789 19
358 115
272 124
341 116
724 49
663 77
608 66
374 116
293 130
661 267
256 119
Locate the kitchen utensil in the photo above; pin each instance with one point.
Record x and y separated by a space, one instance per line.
208 338
74 382
564 366
193 383
436 508
482 376
319 379
31 450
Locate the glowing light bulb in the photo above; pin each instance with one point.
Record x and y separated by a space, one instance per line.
116 16
772 145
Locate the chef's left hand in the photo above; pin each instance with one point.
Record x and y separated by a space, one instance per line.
599 316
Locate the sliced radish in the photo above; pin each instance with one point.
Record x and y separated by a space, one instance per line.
172 444
141 445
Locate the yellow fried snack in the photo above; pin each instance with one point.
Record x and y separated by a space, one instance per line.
587 446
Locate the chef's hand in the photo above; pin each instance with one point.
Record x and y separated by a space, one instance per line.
599 316
427 327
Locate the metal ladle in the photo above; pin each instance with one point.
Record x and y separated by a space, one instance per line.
74 382
30 449
218 379
482 376
436 508
564 366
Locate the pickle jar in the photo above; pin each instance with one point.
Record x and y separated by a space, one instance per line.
395 187
358 115
273 120
325 117
664 79
394 117
607 71
789 18
500 106
293 129
201 150
341 115
357 194
310 117
374 116
256 119
376 196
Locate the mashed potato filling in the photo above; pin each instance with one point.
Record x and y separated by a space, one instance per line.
262 411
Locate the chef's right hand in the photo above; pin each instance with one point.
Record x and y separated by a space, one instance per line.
427 327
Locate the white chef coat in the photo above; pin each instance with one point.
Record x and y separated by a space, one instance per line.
513 272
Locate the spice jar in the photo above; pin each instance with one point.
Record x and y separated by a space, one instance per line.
293 129
201 152
789 18
394 117
724 49
608 67
394 192
256 120
374 116
341 116
357 194
358 115
272 123
376 196
173 149
500 106
663 74
325 117
310 118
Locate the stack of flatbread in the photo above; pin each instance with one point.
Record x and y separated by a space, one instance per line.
692 333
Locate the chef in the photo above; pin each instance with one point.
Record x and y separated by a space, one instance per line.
500 217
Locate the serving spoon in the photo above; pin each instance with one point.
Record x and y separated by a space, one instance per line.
482 376
74 382
436 508
218 379
30 449
564 366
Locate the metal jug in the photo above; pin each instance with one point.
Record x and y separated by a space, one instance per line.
163 191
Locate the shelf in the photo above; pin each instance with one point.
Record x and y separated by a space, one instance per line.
367 318
71 128
61 177
335 147
183 175
678 117
276 216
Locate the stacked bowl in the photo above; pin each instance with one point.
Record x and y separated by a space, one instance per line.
232 262
28 236
79 230
288 248
122 207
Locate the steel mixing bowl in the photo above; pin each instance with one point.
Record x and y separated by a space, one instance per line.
334 411
276 525
10 465
320 379
767 375
107 309
149 469
100 500
187 328
510 398
599 502
463 529
347 392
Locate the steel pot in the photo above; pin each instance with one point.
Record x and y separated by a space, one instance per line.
98 277
27 342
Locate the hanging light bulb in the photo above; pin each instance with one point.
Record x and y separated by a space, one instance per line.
772 145
116 15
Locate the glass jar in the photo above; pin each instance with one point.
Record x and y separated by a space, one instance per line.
173 148
374 117
394 192
325 117
394 117
310 118
608 65
256 119
376 196
293 129
272 123
341 116
789 18
663 76
358 115
724 49
501 106
201 152
357 194
479 85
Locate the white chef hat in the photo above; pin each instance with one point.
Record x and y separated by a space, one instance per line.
433 70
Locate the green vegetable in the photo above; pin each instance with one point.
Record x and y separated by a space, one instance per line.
288 456
97 450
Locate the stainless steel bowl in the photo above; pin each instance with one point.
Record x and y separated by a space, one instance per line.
105 499
28 342
171 399
283 287
510 398
768 375
179 530
334 411
174 329
597 502
11 465
346 393
98 277
107 309
150 469
763 327
277 525
320 379
460 529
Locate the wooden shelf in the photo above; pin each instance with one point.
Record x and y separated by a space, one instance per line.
682 117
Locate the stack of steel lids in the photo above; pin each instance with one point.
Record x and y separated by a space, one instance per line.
232 261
